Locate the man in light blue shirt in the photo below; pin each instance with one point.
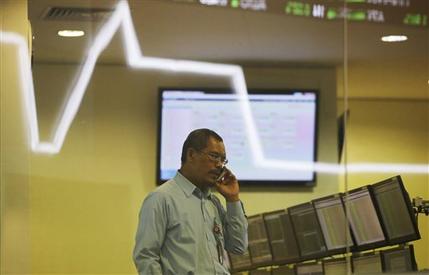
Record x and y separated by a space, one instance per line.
183 228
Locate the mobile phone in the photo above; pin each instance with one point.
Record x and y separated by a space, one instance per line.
222 174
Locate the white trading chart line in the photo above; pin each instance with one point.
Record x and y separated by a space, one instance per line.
121 17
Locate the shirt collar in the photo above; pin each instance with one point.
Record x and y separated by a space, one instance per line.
189 188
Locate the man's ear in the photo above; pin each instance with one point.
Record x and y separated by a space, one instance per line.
190 154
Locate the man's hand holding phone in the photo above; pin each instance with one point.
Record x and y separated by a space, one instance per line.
227 185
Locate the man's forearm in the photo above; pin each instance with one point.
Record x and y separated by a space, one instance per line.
236 228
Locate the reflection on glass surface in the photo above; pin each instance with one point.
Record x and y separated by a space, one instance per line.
108 155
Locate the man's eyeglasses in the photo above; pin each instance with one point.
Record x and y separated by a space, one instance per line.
216 157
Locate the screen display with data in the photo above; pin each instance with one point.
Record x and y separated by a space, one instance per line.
392 12
367 264
363 218
277 126
309 269
395 209
307 230
335 267
332 219
259 246
399 260
240 261
281 237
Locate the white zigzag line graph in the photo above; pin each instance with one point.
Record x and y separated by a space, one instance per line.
122 18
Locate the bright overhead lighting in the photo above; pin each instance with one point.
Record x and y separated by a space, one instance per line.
394 38
71 33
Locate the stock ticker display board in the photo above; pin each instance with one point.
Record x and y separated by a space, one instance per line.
397 12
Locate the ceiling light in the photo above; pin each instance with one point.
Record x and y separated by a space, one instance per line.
71 33
394 38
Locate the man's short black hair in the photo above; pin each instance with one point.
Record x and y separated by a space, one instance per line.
198 139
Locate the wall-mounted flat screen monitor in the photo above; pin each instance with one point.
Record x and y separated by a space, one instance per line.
315 268
367 263
363 218
399 260
259 246
307 231
335 227
240 262
396 211
284 123
336 266
281 236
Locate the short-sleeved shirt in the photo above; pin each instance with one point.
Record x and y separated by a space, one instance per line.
183 230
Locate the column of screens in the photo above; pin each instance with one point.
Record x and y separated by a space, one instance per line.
259 247
315 268
396 260
363 219
367 263
395 210
333 222
399 260
240 262
378 215
282 239
336 267
307 230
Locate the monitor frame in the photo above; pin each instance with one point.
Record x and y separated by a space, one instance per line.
373 245
264 263
313 256
281 261
405 196
315 262
257 183
365 255
352 248
336 260
239 269
409 247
